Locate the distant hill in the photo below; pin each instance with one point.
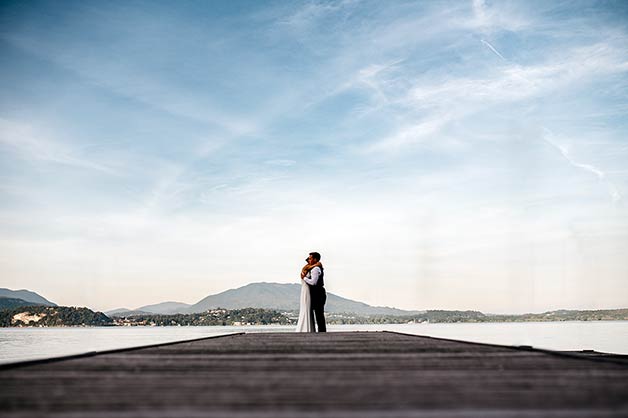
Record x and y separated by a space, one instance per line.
164 308
566 315
283 297
10 303
25 295
275 296
128 312
118 311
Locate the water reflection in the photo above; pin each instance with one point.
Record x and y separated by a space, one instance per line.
17 344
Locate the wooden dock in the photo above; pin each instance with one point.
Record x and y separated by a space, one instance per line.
352 374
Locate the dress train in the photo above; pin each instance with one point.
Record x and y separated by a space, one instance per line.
305 323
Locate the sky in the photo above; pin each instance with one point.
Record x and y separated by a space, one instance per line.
438 154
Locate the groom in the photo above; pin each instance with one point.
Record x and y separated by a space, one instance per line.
313 274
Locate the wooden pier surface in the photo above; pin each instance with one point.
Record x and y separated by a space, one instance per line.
352 374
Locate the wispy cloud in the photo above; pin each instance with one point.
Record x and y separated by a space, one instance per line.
612 189
497 16
142 86
440 102
492 48
412 134
30 144
308 14
281 163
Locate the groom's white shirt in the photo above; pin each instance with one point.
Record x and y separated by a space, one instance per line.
312 276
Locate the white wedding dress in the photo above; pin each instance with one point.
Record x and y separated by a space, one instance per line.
305 323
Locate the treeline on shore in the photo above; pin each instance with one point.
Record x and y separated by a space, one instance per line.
246 316
442 316
48 316
52 316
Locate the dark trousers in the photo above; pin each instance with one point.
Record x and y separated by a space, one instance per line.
318 298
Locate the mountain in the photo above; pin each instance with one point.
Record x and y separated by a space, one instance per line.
118 311
283 297
10 303
129 312
276 296
164 308
26 295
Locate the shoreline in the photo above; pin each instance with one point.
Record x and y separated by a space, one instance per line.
328 323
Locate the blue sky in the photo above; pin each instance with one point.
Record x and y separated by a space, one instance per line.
454 155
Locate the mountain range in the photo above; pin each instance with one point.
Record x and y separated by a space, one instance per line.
267 297
14 298
278 296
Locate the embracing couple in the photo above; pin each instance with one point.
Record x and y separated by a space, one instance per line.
313 296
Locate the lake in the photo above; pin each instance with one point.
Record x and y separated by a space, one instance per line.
17 344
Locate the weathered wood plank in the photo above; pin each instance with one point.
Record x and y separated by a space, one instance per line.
334 374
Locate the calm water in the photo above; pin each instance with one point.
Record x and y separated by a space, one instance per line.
32 343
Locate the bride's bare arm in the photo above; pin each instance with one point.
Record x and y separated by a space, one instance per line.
309 267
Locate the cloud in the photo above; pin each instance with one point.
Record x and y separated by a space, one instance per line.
30 144
411 134
139 84
498 16
492 48
308 14
440 102
281 163
613 191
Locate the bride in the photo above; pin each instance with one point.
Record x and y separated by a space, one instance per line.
306 320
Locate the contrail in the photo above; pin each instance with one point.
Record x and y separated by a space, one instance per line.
615 195
492 49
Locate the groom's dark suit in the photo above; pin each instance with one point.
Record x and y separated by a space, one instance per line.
318 296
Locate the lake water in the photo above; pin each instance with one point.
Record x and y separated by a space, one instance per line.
18 344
